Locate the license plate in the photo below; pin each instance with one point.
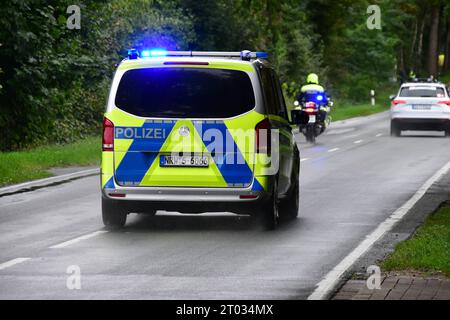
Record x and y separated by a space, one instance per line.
312 119
421 107
184 161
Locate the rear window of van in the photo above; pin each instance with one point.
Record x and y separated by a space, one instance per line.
185 93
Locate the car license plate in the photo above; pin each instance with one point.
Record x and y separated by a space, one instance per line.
184 161
312 119
421 107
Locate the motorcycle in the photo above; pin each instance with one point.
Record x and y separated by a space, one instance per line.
318 118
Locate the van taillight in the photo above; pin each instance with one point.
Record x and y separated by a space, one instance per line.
108 135
263 137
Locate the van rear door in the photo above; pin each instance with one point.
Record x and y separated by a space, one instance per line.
183 137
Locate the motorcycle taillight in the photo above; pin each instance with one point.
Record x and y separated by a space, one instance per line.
310 105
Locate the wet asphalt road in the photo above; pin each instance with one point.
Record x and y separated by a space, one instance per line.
351 180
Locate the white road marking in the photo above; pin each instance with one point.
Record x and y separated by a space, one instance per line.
304 159
339 131
379 135
85 237
353 135
329 282
358 141
12 262
333 150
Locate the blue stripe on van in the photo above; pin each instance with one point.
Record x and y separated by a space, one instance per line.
110 184
149 137
257 186
142 152
232 165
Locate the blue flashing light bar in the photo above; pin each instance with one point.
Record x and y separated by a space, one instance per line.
145 53
262 55
153 53
156 52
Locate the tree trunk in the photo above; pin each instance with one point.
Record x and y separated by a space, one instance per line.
413 46
447 49
401 65
433 42
419 61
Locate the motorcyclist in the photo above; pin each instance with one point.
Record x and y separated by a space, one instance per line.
314 92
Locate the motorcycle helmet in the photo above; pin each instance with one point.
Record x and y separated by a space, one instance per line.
312 78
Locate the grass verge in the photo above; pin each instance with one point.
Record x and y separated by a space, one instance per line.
348 110
428 250
20 166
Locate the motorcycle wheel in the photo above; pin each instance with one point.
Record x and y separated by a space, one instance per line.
310 135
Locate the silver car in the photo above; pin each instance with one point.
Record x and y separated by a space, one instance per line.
420 106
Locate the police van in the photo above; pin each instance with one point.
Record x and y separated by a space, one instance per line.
196 132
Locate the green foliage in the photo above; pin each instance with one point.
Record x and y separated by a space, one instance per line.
54 81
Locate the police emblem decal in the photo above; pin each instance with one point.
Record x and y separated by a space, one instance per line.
184 131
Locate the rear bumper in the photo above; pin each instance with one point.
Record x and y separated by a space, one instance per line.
247 207
423 123
419 115
189 200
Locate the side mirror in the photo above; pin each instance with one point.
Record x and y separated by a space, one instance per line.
331 103
299 117
392 97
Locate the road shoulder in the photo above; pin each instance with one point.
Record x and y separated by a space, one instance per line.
61 175
402 285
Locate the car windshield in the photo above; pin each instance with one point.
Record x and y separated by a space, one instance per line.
185 93
423 92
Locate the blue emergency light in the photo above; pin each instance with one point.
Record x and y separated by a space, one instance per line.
262 55
133 54
145 54
153 53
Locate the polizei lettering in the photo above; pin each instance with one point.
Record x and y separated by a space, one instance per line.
140 133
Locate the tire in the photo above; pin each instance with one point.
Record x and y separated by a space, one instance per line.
447 132
310 136
291 205
270 216
395 129
113 214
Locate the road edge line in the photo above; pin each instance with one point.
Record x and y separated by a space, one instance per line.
12 262
41 183
332 279
78 239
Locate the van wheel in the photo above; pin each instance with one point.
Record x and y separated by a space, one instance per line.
290 206
395 129
271 214
113 214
